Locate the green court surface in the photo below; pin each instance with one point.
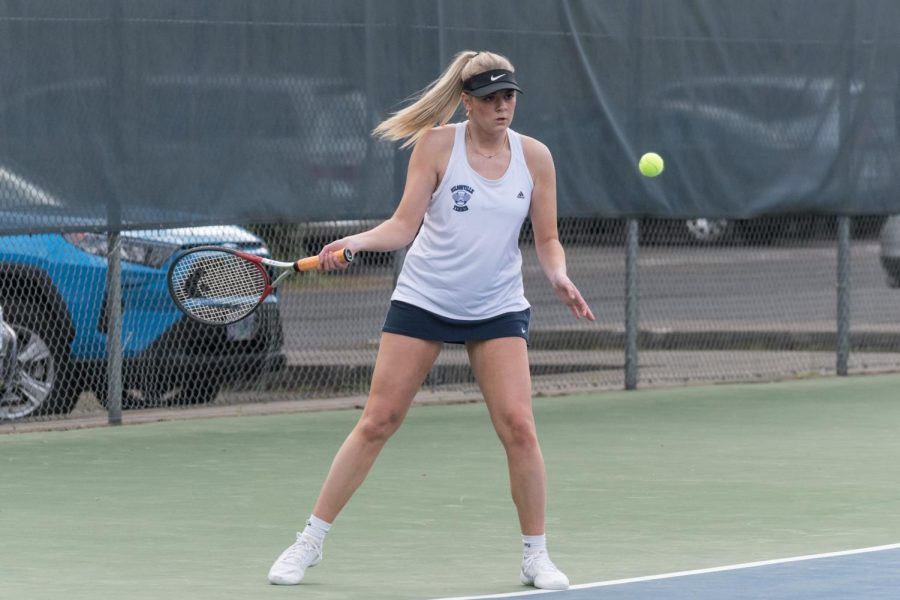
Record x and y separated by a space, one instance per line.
641 483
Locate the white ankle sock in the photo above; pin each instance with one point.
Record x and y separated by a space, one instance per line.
532 544
316 528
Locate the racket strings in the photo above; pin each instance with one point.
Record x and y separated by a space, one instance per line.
217 287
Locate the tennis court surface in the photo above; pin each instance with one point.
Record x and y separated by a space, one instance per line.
682 481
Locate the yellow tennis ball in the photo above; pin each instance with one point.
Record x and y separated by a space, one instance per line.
651 164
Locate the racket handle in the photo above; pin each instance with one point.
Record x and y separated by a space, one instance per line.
311 263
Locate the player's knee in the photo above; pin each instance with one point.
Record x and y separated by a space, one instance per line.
518 432
378 427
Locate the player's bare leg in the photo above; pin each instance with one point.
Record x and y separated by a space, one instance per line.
400 368
501 369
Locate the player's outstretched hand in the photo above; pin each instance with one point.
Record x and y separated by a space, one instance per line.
571 297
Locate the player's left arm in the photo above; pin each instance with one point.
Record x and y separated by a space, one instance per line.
543 220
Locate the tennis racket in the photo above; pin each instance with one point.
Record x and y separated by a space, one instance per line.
219 286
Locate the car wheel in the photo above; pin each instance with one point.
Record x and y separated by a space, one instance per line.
45 383
708 231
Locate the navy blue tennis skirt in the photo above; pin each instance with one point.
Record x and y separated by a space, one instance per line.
406 319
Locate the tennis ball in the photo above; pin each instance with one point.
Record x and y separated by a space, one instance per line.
651 164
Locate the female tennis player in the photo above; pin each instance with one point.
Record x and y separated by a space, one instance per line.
469 186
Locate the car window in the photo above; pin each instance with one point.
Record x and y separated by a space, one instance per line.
183 113
790 112
19 191
339 132
60 112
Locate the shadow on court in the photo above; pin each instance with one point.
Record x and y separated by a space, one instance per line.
641 483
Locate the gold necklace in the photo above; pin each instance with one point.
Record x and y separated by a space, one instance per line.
475 150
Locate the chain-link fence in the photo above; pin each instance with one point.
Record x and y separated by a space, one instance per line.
756 302
128 117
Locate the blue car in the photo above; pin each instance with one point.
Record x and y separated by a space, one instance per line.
53 288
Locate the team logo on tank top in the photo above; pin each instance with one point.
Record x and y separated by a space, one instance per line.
461 195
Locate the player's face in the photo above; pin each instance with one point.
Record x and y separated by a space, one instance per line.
494 110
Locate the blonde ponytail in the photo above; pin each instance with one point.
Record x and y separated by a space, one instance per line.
436 104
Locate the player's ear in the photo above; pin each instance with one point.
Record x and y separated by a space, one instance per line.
466 102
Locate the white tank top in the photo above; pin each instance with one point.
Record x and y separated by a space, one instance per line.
465 262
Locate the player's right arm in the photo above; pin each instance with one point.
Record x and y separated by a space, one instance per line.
427 163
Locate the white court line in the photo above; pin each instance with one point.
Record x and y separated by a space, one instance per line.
762 563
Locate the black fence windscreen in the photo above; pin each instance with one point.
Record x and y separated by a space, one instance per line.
125 114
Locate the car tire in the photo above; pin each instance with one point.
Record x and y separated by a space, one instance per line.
46 383
202 391
153 396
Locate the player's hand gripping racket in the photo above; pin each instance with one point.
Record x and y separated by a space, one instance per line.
218 286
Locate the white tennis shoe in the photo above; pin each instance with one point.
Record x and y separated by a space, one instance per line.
290 567
538 570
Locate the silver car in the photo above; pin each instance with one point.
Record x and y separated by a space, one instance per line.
890 250
781 137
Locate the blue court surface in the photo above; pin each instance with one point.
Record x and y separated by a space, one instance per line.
864 574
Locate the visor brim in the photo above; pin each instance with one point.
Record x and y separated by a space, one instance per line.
495 87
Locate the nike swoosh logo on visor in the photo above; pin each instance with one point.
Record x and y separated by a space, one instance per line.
497 77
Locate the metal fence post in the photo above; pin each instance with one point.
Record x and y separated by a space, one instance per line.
843 295
631 304
114 330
